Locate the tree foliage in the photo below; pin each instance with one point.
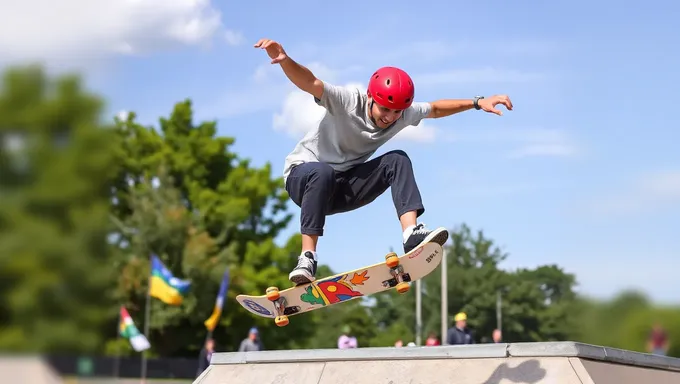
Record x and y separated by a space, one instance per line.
56 159
182 195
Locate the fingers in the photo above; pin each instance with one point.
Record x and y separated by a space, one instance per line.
505 100
264 43
279 58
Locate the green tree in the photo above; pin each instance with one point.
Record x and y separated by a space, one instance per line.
56 160
625 322
473 280
227 214
536 304
160 224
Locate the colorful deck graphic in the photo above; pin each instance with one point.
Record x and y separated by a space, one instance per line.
334 290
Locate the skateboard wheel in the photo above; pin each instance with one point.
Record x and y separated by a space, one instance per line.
392 259
281 321
273 293
403 287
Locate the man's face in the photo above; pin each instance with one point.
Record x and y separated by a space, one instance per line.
384 117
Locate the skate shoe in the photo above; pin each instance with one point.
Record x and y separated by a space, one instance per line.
305 270
421 234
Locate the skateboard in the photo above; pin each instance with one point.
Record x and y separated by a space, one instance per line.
395 272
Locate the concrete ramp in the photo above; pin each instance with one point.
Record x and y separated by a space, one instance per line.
562 362
27 370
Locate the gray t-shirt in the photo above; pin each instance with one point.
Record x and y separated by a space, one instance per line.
346 136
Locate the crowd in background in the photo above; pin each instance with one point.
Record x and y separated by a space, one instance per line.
658 342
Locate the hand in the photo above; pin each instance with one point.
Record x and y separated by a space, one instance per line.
274 50
489 104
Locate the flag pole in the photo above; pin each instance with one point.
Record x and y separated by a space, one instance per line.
147 317
116 361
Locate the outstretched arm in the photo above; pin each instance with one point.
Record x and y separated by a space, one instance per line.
443 108
298 74
302 77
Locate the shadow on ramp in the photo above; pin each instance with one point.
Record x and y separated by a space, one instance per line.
528 372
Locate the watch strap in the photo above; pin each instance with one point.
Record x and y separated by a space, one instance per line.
476 102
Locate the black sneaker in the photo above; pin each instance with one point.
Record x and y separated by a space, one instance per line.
422 235
305 270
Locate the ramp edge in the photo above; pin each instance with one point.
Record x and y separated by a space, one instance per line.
593 352
360 354
501 350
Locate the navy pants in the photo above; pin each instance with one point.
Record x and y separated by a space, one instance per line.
319 190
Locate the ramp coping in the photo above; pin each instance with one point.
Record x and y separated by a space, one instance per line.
476 351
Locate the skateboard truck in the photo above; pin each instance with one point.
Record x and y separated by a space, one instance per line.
399 278
274 296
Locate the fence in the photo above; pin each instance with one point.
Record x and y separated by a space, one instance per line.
124 367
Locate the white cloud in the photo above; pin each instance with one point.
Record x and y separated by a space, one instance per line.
234 38
267 73
544 150
299 114
422 133
264 72
263 91
661 185
646 193
123 115
57 30
256 98
471 183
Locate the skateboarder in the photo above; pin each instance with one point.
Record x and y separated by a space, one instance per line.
328 173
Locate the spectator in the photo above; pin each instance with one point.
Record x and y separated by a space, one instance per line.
432 340
460 333
497 336
657 342
205 355
346 340
252 342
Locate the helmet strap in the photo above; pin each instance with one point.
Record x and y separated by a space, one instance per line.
370 111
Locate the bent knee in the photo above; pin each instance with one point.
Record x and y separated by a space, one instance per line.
321 170
321 173
397 156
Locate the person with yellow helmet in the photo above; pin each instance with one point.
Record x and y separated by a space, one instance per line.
460 333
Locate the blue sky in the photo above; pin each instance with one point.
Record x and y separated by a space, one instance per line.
584 173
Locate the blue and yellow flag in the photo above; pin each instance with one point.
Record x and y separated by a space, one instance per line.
164 286
211 323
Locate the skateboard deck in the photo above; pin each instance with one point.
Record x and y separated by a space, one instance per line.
395 272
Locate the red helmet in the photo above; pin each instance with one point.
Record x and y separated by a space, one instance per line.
392 88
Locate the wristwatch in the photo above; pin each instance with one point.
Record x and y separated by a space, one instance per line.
476 102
